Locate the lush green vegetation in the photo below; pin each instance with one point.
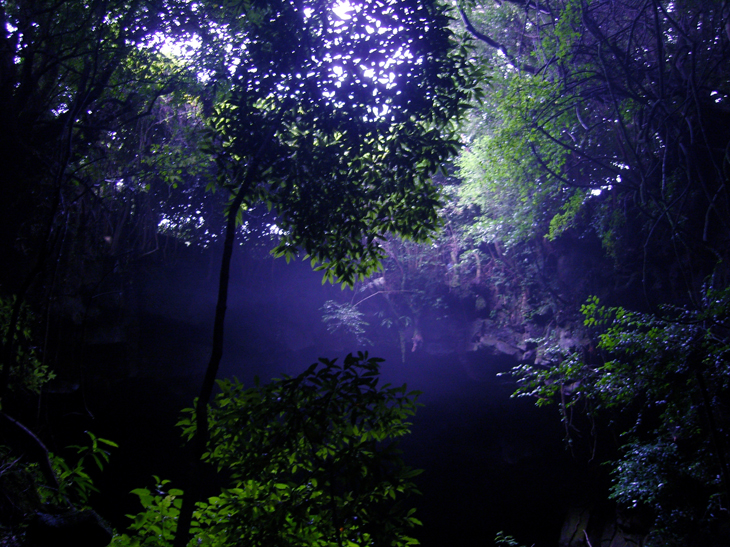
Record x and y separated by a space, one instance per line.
594 170
660 380
311 460
577 215
332 118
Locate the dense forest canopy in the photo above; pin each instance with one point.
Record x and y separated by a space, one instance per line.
595 166
544 179
613 116
334 118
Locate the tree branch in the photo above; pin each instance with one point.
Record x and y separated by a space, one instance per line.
25 440
496 45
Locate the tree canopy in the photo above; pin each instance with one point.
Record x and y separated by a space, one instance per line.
609 117
596 166
608 121
324 104
584 151
332 115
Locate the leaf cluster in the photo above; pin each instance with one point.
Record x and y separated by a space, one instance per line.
75 482
28 371
347 121
664 376
154 526
311 459
346 317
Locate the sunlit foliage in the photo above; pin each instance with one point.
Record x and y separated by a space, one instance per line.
608 118
311 460
337 121
345 317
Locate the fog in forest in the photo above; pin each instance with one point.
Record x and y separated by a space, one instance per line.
490 462
521 207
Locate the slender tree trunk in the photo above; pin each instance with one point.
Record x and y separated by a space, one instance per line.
194 479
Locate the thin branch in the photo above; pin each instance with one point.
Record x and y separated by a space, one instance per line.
25 440
494 44
576 151
380 292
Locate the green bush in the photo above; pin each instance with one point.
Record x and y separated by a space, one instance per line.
311 460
